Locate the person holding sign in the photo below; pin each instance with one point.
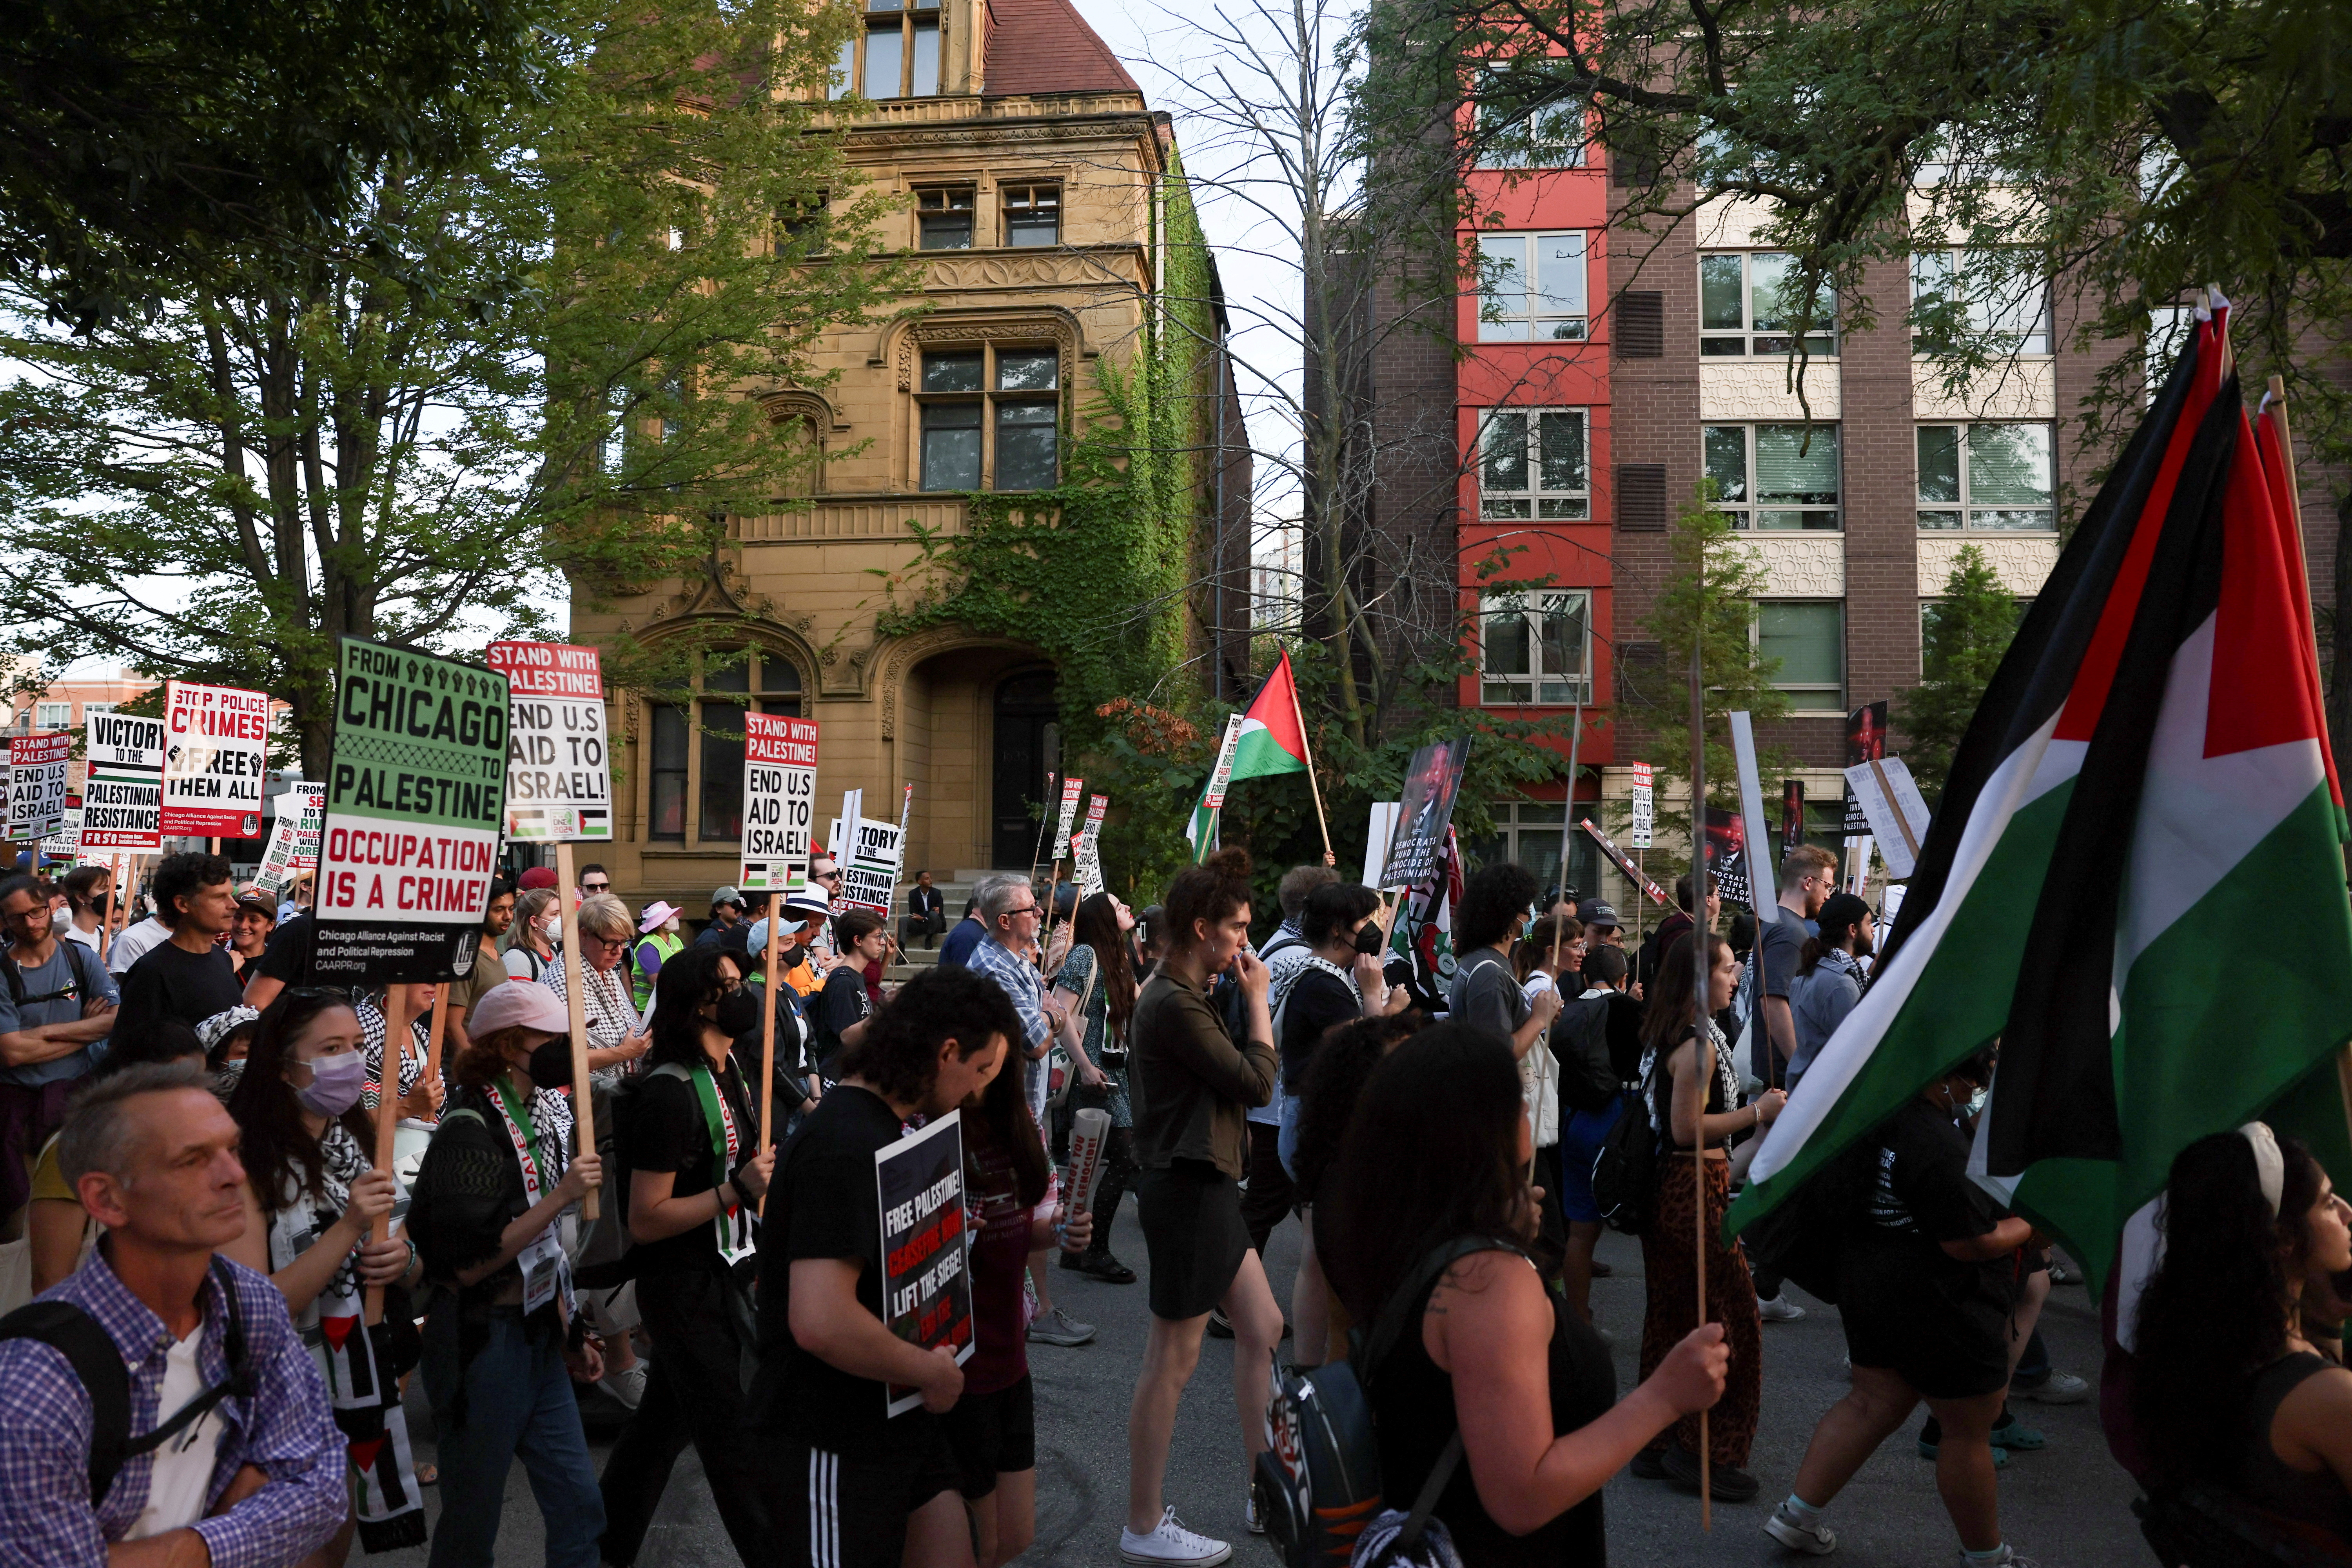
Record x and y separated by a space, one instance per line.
613 1038
853 1485
696 1174
501 1342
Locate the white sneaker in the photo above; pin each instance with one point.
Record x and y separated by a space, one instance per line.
1813 1539
1250 1516
1058 1328
626 1384
1779 1310
2009 1557
2058 1388
1170 1543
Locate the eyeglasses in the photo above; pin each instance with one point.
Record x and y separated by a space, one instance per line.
603 941
1024 909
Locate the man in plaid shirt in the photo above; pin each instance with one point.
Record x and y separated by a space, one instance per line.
259 1478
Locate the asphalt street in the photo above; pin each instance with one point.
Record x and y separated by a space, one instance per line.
2066 1506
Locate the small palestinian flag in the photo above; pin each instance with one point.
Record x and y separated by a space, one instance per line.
1266 739
2149 773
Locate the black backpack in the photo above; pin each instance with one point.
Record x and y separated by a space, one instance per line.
1626 1172
81 991
1317 1484
606 1260
1579 1043
98 1366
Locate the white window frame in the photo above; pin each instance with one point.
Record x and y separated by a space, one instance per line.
1533 608
1546 146
49 715
1836 706
1988 319
1744 509
1744 340
1522 313
1967 506
1533 502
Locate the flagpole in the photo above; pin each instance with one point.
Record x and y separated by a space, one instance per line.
1046 805
1702 1050
1314 788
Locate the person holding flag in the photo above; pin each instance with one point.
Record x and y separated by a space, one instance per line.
1266 739
2149 763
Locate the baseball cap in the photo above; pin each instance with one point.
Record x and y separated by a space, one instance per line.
518 1004
726 895
537 876
1598 912
260 902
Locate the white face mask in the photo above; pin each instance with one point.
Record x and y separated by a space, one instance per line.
549 925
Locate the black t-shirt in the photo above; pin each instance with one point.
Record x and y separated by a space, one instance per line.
842 1004
170 981
286 958
1917 1192
1316 1003
824 1204
668 1132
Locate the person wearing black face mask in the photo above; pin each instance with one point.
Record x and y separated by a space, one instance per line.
795 1086
696 1173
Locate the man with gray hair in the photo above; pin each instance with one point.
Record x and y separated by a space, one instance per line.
222 1448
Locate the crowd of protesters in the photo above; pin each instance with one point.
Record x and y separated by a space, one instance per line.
189 1154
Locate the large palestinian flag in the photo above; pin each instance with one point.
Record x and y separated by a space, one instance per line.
2136 882
1268 740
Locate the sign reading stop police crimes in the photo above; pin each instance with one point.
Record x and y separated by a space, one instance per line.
415 791
559 768
36 783
122 798
214 737
779 802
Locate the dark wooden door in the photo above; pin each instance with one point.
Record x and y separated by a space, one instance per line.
1028 743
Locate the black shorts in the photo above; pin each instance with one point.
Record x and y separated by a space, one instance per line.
850 1510
993 1434
1944 1333
1193 1234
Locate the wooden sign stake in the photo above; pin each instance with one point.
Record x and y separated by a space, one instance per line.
576 1006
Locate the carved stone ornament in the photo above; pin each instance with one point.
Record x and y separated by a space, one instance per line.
794 403
1054 324
719 589
900 658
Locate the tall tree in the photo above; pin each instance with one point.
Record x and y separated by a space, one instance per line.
299 451
1964 636
1710 597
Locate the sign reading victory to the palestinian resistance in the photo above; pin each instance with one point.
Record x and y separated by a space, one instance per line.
36 783
559 765
870 865
415 793
779 802
123 797
216 739
294 839
926 1287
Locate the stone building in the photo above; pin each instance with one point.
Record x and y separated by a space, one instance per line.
1044 200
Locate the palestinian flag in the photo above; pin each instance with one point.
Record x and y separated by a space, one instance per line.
2136 880
1269 739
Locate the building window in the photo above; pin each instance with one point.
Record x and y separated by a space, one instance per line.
1774 476
1985 476
1511 135
802 224
1536 649
1959 291
1033 216
2168 327
990 410
1531 288
1808 638
896 56
52 715
1744 307
1530 834
943 218
90 708
697 745
1531 464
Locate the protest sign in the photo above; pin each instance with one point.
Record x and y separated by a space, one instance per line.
36 783
1086 852
65 844
1890 804
216 738
1071 789
1726 856
294 839
1622 861
1427 813
1378 831
852 807
1792 815
122 793
415 791
1762 863
559 768
779 802
871 869
1866 742
906 819
1645 819
926 1288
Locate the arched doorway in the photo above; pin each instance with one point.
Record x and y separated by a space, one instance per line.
1028 745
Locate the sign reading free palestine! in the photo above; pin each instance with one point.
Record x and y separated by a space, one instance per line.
415 791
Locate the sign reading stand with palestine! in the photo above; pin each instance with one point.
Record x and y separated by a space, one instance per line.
779 802
216 738
36 783
415 792
560 771
926 1287
123 797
